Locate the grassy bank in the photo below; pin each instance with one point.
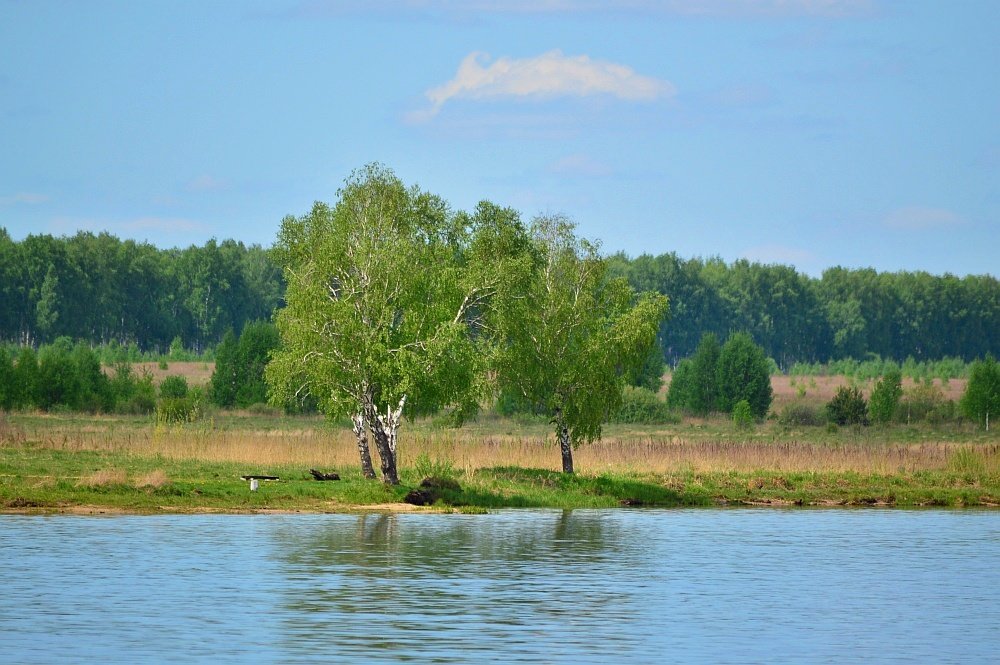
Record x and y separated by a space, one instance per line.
51 463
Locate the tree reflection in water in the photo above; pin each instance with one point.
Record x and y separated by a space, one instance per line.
448 586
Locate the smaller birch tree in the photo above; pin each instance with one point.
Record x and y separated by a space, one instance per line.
568 336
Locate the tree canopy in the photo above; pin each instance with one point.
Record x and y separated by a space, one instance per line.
384 289
570 336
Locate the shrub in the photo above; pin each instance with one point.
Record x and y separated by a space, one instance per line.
641 405
174 386
177 410
981 400
681 385
885 397
743 373
848 407
801 415
925 402
742 415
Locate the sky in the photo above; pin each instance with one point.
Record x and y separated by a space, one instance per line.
813 133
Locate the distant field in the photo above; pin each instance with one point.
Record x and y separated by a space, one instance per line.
196 373
818 389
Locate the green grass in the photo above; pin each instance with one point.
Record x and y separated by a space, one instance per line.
37 478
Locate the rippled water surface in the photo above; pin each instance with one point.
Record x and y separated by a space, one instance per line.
728 586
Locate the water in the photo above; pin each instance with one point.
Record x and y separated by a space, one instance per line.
644 586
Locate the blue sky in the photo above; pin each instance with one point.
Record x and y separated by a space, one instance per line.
808 132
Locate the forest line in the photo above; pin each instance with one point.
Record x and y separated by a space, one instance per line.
99 288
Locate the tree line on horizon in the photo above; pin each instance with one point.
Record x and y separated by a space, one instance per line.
98 288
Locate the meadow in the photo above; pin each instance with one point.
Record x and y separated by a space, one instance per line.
74 462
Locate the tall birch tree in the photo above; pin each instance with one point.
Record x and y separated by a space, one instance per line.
384 289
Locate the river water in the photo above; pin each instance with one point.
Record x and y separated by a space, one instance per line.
642 586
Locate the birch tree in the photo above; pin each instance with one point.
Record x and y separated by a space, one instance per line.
383 290
571 335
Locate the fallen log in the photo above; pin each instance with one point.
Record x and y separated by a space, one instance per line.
319 475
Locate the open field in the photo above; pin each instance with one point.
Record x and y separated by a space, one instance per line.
58 462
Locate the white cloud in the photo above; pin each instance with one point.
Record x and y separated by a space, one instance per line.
23 197
579 165
915 218
548 75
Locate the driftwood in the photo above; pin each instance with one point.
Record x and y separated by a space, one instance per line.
319 475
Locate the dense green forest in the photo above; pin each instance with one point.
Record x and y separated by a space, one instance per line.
844 314
100 289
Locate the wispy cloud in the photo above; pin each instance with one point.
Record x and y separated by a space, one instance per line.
548 75
26 198
579 165
915 218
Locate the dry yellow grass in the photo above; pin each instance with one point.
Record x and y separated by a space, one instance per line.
104 477
468 451
154 479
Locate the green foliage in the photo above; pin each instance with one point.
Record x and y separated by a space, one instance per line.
27 382
177 410
848 407
704 391
224 382
681 385
569 335
174 387
439 467
743 415
47 307
743 374
925 402
885 398
381 289
7 389
799 415
132 394
97 287
257 341
981 401
650 375
643 406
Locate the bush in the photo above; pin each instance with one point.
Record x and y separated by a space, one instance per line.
640 405
885 397
743 373
801 415
239 365
925 402
132 394
981 400
848 407
174 386
742 415
177 410
681 385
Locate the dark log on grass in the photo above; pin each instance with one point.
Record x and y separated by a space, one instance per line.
319 475
252 477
